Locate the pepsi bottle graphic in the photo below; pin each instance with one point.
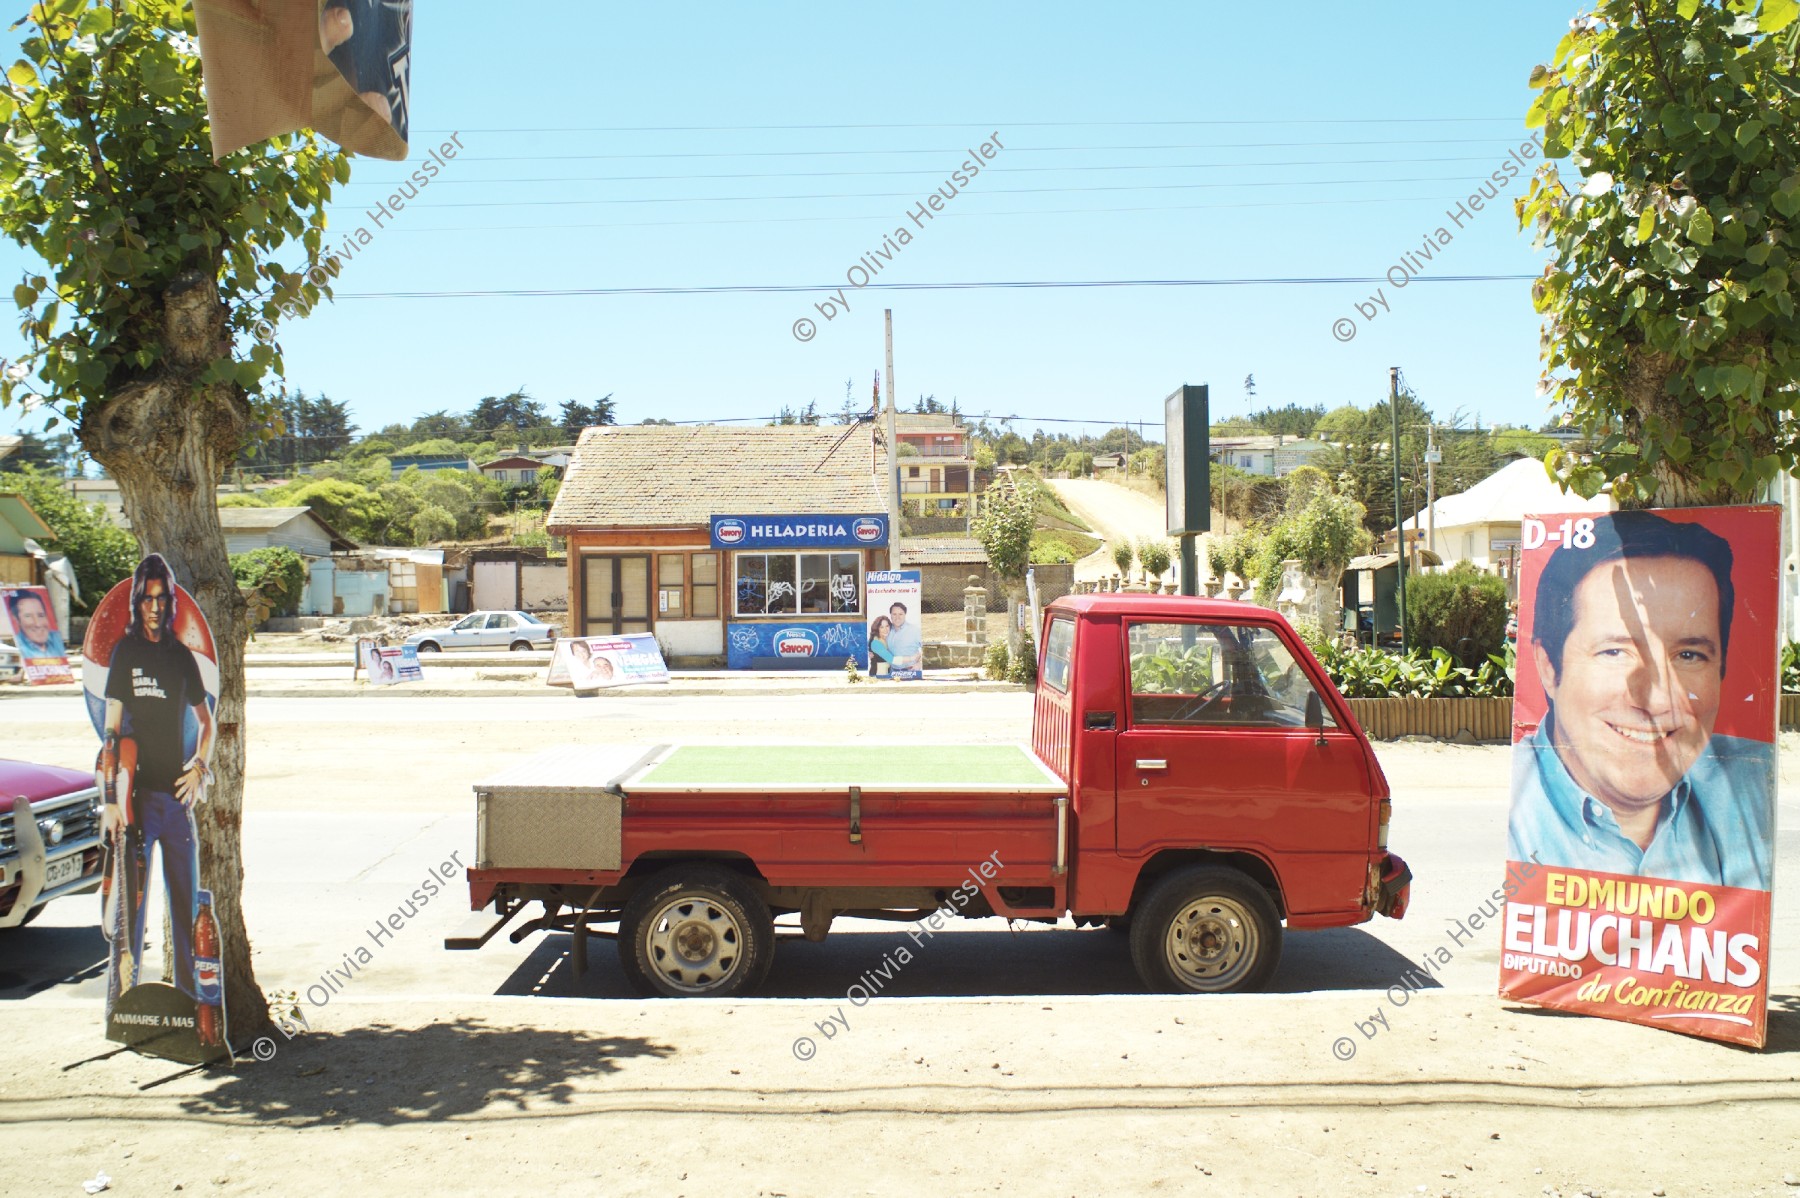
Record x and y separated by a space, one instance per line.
209 988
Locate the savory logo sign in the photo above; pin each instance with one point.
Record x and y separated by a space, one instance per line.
799 532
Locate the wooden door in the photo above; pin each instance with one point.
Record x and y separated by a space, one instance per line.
616 594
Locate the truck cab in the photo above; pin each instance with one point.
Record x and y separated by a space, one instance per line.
1193 780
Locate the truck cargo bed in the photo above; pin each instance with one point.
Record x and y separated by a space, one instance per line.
888 769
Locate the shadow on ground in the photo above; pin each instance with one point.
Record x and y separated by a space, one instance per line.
391 1076
1032 962
33 959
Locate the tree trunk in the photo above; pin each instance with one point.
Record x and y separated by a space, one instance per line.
1015 595
167 440
1646 393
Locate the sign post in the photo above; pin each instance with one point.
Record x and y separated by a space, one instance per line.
1188 475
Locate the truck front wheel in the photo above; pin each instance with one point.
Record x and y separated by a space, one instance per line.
696 931
1207 929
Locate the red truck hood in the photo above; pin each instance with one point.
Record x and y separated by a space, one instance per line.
38 782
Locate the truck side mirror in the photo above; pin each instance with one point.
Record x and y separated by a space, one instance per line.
1315 712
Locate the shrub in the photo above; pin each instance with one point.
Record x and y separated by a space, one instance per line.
995 664
278 571
1123 555
1461 610
1376 674
1790 668
1217 559
1312 635
1022 668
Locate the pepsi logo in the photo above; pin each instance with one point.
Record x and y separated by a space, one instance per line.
868 529
796 642
729 532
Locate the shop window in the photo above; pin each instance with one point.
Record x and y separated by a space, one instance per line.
671 586
706 586
784 584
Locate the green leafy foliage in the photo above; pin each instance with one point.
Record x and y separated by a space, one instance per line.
1123 554
1004 528
1168 670
1323 535
994 664
106 174
1790 668
101 552
1377 674
278 572
1021 666
1460 610
1671 329
1156 555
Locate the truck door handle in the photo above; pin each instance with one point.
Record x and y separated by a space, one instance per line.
1152 763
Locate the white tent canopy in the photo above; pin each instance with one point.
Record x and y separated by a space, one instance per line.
1507 496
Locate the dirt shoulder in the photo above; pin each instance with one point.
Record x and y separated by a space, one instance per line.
1236 1095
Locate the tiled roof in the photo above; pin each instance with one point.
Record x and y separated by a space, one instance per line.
648 476
924 551
928 422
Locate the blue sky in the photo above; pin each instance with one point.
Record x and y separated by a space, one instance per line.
612 146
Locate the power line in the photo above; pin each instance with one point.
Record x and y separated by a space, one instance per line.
914 195
970 125
913 171
1021 285
784 220
941 150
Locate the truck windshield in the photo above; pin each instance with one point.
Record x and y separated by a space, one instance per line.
1216 674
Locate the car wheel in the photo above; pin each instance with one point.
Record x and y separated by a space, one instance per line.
696 931
1206 929
430 647
521 646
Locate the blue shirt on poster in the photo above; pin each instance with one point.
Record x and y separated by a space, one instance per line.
905 643
1714 828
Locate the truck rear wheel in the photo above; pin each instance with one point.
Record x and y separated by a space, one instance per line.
1206 929
696 931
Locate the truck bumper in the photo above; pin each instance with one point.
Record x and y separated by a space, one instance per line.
1394 889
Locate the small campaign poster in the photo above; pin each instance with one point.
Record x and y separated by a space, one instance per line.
389 664
896 644
40 642
151 676
595 662
1641 834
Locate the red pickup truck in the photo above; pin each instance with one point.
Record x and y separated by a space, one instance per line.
1193 778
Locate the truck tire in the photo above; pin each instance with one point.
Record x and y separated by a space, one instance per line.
696 931
1206 929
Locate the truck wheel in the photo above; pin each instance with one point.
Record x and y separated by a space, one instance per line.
1206 928
696 931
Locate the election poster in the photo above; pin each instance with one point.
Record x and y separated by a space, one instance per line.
596 662
32 621
896 645
389 664
150 674
1641 833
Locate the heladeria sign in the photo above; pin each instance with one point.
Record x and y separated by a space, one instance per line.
799 532
1643 801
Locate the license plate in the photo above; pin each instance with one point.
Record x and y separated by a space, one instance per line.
57 873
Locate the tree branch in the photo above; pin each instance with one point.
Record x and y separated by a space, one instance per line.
1656 61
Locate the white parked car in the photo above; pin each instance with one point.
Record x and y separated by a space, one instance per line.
514 630
11 664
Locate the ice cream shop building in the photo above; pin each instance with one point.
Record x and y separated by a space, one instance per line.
742 546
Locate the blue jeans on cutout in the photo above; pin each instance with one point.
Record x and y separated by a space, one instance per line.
163 820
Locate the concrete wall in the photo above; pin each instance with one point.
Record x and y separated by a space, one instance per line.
360 592
321 574
546 587
943 584
691 638
495 586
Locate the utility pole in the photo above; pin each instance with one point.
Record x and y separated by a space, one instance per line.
1399 525
893 440
1431 463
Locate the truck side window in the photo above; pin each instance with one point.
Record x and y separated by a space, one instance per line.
1216 675
1057 645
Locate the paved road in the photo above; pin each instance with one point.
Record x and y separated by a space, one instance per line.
351 802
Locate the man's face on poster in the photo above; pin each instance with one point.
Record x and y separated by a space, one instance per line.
34 621
151 605
1637 692
897 615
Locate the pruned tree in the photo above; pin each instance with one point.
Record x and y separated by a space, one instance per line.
1004 527
156 266
1671 330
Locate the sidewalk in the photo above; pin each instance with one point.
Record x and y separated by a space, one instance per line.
293 676
1460 1095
